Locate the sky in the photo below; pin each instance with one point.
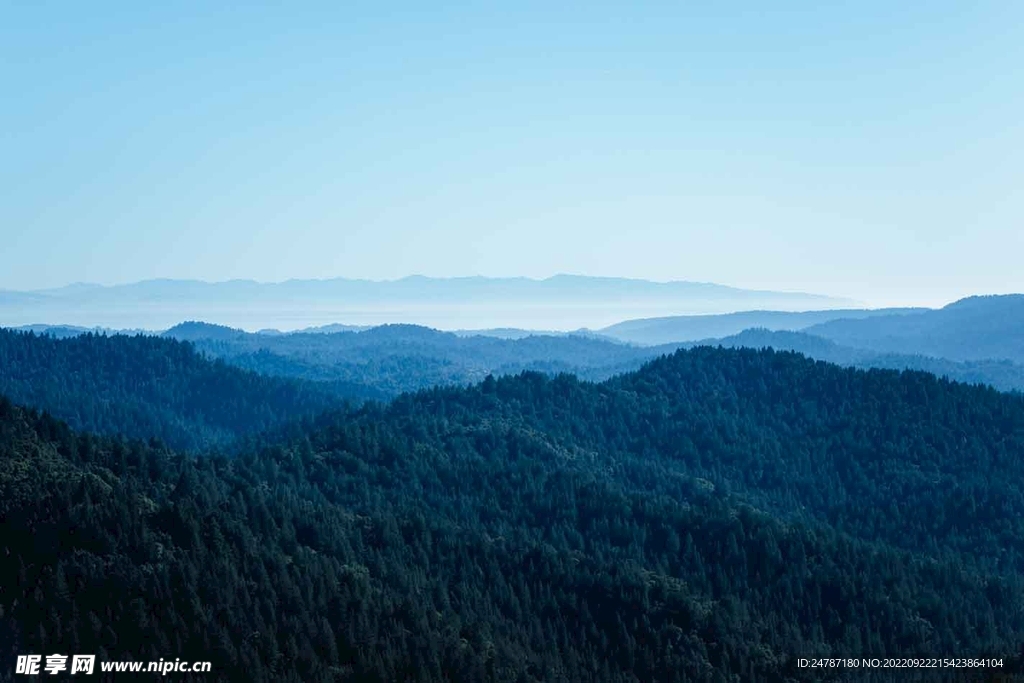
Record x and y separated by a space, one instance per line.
872 150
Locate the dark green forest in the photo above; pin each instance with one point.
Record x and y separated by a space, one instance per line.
714 516
147 387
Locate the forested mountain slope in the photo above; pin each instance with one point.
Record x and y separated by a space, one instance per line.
144 386
711 517
792 435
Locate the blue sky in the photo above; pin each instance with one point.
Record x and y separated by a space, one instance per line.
873 150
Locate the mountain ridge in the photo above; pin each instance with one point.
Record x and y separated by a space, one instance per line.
563 302
665 329
971 329
557 278
424 354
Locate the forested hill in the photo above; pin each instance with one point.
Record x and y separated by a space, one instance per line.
797 437
143 386
711 517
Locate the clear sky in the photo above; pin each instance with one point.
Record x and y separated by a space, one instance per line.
870 149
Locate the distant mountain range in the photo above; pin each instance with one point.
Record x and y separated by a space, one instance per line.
1003 374
977 340
975 328
680 328
972 329
974 340
562 302
397 358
